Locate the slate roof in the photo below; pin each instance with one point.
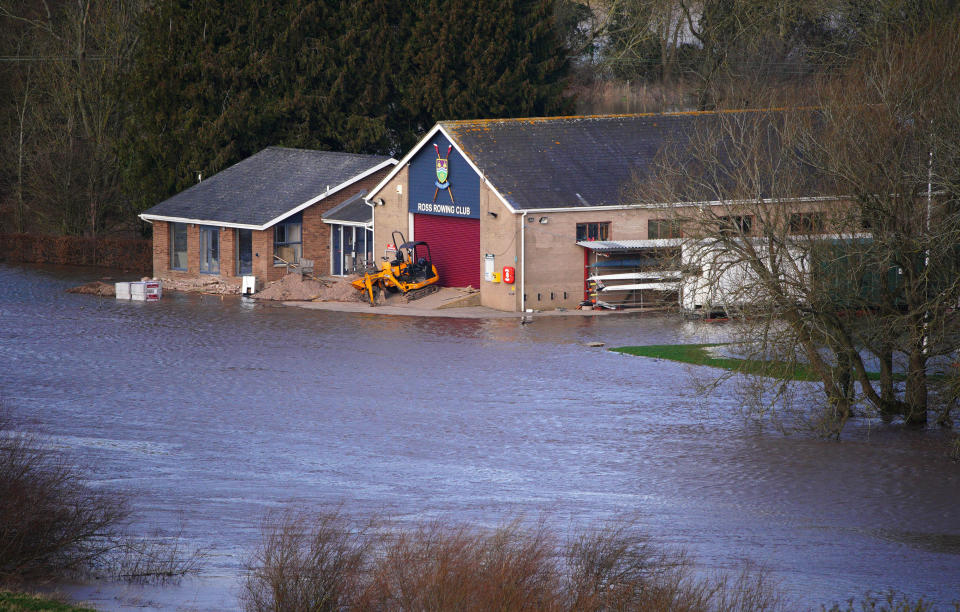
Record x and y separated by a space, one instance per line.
353 210
565 162
265 187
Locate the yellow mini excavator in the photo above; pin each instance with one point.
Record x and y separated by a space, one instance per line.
410 272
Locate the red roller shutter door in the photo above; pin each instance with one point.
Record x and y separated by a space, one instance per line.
454 245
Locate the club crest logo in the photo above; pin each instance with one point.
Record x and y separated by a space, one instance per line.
443 173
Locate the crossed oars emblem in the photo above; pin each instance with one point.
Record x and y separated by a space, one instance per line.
443 171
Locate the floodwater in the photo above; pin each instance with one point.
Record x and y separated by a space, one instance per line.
211 412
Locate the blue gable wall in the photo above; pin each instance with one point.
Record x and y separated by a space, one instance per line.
464 183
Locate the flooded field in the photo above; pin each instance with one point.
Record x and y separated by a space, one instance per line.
212 412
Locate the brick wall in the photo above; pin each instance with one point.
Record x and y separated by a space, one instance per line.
161 249
316 233
228 252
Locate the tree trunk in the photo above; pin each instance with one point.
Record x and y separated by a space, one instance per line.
888 399
916 393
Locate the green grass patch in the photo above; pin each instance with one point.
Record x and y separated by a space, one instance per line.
700 354
16 602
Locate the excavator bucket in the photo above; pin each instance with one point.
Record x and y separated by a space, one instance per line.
367 284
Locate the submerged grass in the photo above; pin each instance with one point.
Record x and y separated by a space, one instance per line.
14 602
700 354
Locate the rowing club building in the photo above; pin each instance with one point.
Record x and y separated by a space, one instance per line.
529 211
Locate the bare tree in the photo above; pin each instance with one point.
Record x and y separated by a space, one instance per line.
66 64
832 234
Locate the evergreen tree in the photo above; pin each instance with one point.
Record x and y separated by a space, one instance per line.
365 114
472 59
217 81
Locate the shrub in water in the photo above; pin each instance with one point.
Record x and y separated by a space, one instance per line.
51 523
327 562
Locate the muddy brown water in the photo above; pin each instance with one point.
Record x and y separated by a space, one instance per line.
211 412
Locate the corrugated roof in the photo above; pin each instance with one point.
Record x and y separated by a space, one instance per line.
353 210
629 245
265 186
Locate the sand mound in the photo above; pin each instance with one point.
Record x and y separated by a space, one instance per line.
341 291
95 288
293 287
202 284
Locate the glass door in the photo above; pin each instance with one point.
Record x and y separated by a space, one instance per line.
210 250
337 259
348 252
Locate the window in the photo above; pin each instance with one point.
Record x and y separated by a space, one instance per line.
593 231
288 240
737 224
178 246
244 252
663 228
209 250
806 223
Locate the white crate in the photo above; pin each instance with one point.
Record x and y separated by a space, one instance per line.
146 291
138 291
123 291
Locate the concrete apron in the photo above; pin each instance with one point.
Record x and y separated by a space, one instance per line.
449 302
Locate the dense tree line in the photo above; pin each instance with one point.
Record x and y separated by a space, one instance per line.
114 105
118 104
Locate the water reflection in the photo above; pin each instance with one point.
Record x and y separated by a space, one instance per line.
221 409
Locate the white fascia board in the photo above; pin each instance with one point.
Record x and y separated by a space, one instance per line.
403 162
352 223
152 218
703 203
329 192
543 211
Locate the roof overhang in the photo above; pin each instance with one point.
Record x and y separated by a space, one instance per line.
152 218
353 223
329 192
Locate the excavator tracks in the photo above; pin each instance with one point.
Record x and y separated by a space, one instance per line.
422 292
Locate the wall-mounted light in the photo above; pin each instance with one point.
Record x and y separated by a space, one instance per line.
380 202
492 214
531 219
544 220
399 188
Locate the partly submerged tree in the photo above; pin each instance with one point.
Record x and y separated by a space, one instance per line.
833 235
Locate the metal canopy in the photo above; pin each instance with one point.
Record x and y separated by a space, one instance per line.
604 246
